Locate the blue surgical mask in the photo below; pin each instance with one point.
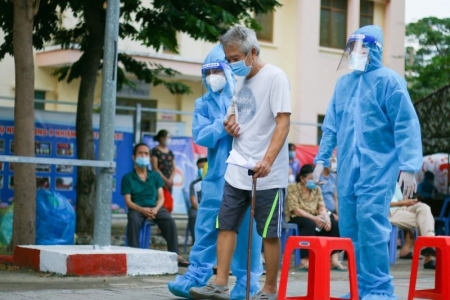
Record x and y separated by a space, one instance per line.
310 184
239 68
142 161
291 154
200 172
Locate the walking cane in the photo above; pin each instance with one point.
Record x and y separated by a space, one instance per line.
250 232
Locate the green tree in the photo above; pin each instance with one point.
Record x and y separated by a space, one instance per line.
428 60
152 23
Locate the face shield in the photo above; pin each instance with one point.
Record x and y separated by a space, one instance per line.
214 76
356 53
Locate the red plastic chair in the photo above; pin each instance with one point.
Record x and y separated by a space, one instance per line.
319 266
441 285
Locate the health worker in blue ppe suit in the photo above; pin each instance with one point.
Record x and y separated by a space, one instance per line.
208 131
373 123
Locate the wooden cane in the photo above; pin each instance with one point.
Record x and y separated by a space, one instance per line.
250 233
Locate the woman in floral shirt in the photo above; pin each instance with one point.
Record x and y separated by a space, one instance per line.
162 158
305 207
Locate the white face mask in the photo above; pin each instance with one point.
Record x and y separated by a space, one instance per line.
216 82
168 142
358 61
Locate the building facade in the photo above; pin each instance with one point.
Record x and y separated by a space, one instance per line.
305 38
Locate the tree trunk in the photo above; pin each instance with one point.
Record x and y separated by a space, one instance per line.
24 224
91 60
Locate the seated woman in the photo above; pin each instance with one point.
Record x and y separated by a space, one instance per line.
305 207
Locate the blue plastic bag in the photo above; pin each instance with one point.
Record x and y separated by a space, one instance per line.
6 224
55 219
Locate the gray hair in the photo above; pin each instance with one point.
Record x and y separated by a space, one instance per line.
244 37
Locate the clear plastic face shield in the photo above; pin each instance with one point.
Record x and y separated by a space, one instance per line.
214 76
356 53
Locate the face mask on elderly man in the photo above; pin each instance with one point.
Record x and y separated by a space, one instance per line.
239 68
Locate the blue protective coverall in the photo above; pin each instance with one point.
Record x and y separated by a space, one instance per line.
208 130
373 123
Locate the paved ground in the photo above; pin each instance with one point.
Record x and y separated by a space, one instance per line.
24 284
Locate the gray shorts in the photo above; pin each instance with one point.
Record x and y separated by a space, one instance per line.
268 210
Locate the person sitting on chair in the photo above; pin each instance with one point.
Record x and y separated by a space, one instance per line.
305 207
411 214
143 193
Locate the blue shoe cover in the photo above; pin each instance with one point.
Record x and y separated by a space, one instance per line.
239 291
347 296
379 297
181 286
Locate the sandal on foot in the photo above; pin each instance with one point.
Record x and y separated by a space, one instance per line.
339 268
303 268
431 265
211 291
182 262
263 296
407 256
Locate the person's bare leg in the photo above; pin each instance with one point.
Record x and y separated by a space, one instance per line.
226 243
304 262
272 257
334 261
409 243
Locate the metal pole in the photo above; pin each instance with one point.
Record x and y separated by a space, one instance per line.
104 188
137 123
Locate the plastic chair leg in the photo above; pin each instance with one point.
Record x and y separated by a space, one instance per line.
393 245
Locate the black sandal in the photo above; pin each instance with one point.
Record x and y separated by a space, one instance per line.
182 262
431 265
407 256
